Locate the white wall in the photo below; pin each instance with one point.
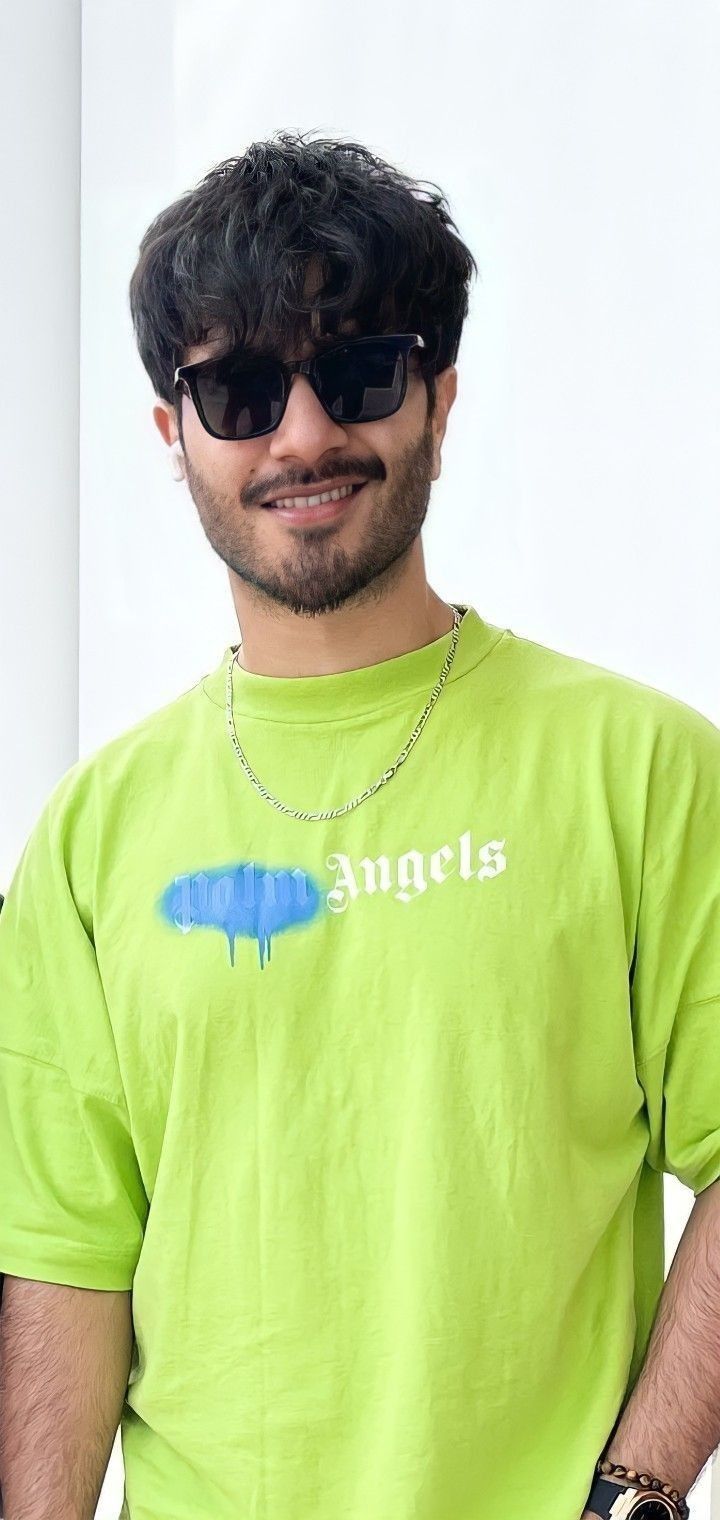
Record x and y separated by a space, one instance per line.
40 283
578 500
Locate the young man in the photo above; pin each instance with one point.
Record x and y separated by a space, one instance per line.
354 1003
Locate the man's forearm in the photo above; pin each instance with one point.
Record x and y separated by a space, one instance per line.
671 1423
65 1358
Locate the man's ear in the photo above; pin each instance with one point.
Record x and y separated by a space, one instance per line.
445 393
446 390
165 421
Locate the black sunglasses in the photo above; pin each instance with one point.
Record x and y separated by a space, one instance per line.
241 395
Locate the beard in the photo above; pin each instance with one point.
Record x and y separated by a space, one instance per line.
313 572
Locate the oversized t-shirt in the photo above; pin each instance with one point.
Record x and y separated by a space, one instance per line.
370 1113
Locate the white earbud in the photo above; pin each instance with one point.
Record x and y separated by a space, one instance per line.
177 466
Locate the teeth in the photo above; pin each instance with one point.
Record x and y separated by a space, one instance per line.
313 501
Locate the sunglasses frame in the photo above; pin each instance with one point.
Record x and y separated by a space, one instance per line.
186 377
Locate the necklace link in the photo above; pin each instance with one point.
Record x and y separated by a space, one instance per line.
458 614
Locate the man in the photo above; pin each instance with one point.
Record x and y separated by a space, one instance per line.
354 1003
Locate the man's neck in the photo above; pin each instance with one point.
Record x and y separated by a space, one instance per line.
340 641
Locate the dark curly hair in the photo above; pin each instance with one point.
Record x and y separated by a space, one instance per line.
230 256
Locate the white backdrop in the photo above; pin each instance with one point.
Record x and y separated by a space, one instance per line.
578 501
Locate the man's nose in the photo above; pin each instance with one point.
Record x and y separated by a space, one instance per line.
305 428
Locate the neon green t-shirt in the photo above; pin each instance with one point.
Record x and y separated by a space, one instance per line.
370 1113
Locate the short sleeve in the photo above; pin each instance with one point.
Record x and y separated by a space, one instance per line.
675 983
72 1203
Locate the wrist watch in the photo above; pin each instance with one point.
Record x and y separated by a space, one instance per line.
618 1500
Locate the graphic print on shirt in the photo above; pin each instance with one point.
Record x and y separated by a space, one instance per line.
255 901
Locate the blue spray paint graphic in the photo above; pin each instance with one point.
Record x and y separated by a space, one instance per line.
249 900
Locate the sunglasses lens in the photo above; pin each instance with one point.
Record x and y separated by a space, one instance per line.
363 383
241 397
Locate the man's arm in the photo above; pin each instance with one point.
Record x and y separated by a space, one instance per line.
671 1423
65 1357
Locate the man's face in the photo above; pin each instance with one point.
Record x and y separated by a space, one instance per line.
314 567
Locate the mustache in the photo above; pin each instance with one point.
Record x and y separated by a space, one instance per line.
285 487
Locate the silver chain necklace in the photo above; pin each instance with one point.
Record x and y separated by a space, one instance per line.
458 615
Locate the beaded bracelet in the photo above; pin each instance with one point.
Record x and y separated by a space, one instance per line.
616 1470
